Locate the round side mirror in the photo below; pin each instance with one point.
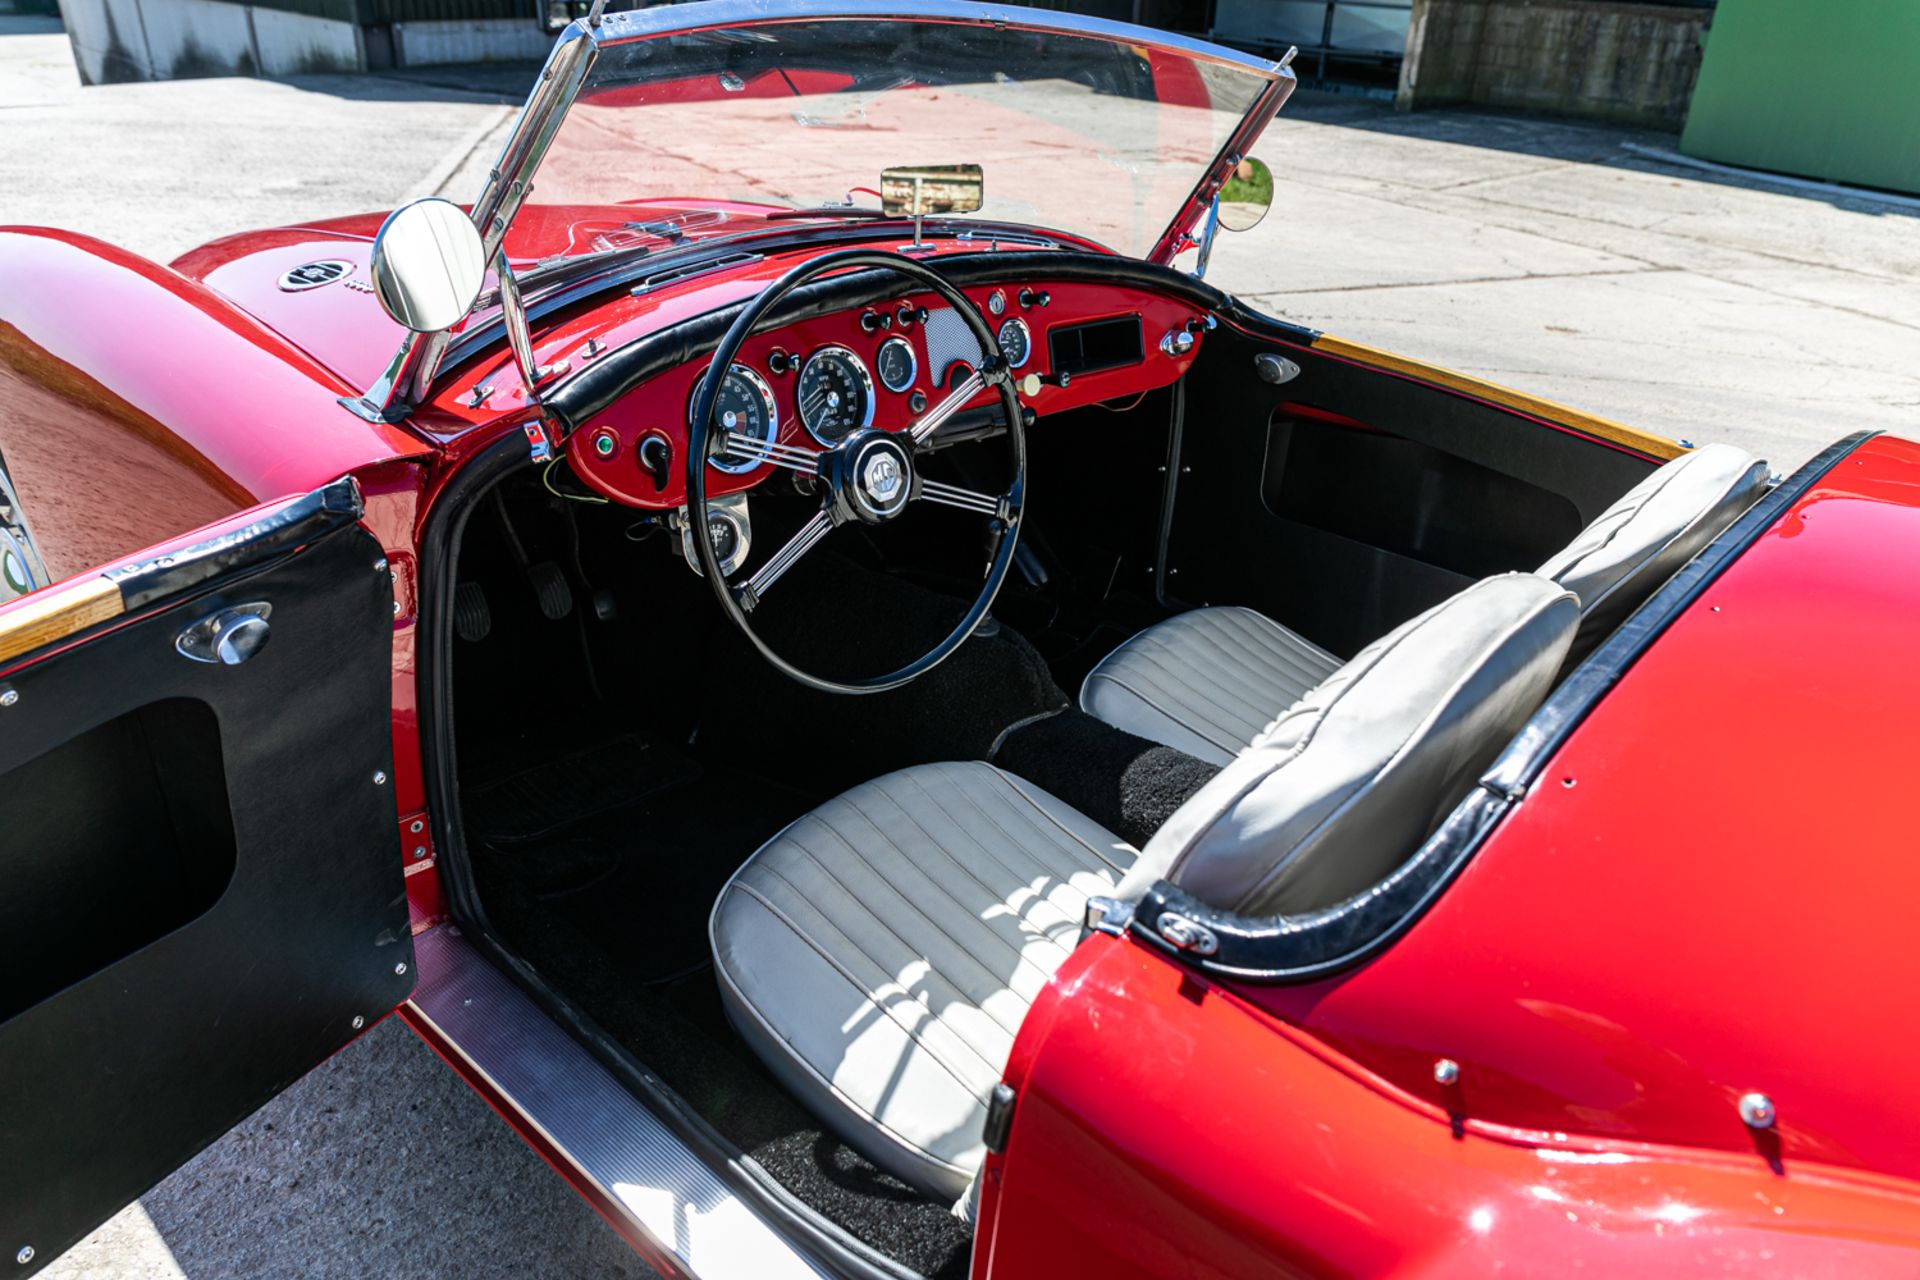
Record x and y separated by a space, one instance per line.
1246 195
428 264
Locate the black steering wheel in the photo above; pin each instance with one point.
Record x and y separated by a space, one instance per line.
868 478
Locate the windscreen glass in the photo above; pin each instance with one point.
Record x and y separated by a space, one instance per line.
1073 133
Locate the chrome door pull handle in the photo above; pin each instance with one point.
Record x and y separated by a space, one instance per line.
229 637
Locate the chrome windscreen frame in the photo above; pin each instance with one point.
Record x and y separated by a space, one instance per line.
410 375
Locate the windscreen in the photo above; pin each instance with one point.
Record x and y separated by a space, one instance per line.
1073 133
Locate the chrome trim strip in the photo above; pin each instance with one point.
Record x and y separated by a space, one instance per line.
669 1193
675 19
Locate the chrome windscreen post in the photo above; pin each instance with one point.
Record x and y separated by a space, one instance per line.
409 375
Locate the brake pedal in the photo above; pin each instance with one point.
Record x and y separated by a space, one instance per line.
472 619
550 586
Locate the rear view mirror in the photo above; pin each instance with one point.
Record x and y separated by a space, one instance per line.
428 264
920 191
1246 195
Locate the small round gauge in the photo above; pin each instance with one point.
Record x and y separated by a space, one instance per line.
745 407
835 392
1016 342
896 364
997 302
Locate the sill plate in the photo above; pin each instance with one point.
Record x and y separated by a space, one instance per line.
668 1192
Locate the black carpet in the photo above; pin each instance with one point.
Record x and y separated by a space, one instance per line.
1127 784
613 911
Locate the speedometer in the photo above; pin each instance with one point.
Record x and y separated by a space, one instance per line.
836 395
746 408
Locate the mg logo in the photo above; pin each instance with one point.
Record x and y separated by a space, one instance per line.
881 477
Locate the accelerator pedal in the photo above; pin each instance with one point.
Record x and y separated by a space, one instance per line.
472 619
551 589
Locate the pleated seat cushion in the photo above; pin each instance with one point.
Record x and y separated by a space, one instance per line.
1205 682
880 953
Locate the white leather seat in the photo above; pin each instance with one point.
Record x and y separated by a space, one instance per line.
880 953
1207 681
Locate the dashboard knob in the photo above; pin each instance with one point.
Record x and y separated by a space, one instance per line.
780 362
1035 297
871 321
910 314
656 455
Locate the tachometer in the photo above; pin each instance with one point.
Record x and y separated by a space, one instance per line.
896 364
1016 343
746 407
835 393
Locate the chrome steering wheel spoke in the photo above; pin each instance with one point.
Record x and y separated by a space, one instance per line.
952 495
754 589
790 456
936 417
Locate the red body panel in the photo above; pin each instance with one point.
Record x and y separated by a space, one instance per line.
1166 1128
136 405
1719 902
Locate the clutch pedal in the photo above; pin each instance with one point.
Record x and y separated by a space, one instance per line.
472 618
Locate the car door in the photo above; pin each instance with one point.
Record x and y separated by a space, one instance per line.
200 890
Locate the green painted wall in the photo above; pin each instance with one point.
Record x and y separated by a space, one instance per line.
1821 88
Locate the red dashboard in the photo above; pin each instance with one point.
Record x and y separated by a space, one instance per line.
884 365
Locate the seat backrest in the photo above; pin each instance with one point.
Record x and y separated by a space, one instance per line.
1642 540
1348 782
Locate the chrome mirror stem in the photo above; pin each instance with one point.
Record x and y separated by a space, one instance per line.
1209 228
519 336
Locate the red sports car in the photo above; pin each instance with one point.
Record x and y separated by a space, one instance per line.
890 728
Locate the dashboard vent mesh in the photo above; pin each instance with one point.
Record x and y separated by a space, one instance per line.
949 342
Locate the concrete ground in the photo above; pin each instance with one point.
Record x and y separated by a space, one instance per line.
1539 254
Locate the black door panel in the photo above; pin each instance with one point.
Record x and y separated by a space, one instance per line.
1347 500
201 880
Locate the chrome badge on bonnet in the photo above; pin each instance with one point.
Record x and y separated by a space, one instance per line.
311 275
